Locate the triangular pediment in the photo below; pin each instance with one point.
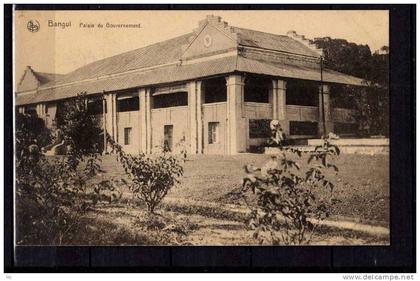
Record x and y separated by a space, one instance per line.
29 81
213 36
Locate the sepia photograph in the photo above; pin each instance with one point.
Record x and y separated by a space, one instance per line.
201 127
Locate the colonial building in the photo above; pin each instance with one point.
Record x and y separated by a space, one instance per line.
211 91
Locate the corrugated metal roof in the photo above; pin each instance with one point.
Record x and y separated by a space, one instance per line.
177 73
294 71
171 50
129 70
156 54
162 75
258 39
44 77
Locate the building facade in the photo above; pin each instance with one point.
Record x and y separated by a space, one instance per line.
212 91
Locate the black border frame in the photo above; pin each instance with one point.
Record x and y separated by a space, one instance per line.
400 256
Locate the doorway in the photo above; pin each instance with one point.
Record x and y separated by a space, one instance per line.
168 137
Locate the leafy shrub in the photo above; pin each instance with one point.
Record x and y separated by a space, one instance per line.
289 202
151 177
81 130
52 194
30 133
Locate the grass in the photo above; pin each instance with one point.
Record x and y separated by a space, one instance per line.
362 184
195 213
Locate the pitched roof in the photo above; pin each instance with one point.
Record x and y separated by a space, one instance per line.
184 72
160 63
171 50
282 43
44 77
152 55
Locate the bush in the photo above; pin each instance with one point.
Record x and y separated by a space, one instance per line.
53 194
289 205
30 132
151 177
81 130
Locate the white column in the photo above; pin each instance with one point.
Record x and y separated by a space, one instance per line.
279 103
199 104
274 102
196 122
104 124
108 116
192 106
329 125
143 124
236 126
40 110
114 116
148 121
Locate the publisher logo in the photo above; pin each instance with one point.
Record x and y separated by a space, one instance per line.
33 26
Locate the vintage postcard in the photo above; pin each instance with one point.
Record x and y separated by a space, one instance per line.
201 127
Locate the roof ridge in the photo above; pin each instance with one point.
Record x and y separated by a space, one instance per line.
154 45
134 50
48 73
254 30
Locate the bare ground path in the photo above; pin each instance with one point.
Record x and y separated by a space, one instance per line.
362 184
209 230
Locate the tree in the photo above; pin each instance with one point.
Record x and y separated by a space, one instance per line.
372 104
52 194
30 135
81 130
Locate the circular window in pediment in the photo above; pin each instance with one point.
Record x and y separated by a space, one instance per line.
207 40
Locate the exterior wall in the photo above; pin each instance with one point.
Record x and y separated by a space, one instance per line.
210 41
176 116
191 123
302 113
129 119
256 111
29 81
50 116
215 112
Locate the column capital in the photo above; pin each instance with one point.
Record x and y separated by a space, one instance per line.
279 84
235 79
325 87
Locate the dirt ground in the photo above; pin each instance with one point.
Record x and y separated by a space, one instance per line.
219 218
362 184
203 230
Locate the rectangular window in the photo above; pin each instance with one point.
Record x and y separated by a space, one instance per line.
170 100
168 132
95 106
127 136
259 128
303 128
214 132
128 104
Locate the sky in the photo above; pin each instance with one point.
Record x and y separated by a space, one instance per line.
61 50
